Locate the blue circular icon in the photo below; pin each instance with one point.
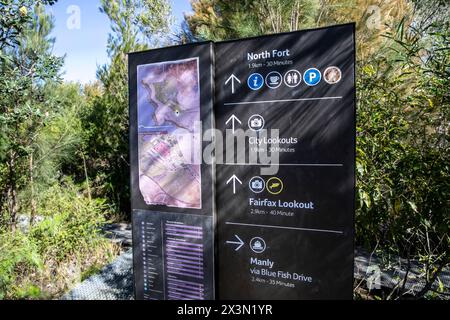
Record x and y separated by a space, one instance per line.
312 76
255 81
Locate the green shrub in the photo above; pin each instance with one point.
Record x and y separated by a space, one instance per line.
65 245
71 223
403 151
19 257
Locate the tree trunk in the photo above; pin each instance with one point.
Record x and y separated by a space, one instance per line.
12 193
32 199
86 177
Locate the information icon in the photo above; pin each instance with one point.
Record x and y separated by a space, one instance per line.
257 184
292 78
258 245
255 81
312 76
273 79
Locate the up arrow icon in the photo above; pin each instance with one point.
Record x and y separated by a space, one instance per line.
234 179
232 78
233 118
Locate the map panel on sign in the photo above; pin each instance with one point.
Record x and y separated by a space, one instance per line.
169 145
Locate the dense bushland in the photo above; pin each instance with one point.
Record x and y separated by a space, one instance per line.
63 147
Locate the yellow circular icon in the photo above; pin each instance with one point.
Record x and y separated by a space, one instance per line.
274 185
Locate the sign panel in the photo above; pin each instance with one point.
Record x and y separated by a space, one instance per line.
173 256
288 100
171 189
168 111
284 156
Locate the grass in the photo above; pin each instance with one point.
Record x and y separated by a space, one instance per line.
65 247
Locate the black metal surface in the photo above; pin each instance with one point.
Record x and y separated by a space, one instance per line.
309 252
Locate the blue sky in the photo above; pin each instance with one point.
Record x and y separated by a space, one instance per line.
85 48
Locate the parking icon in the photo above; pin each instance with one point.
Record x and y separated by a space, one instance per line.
255 81
312 76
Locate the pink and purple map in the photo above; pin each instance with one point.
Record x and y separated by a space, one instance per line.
169 139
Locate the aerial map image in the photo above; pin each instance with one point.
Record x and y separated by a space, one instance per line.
169 139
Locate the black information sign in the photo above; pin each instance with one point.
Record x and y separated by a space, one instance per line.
273 218
172 193
286 233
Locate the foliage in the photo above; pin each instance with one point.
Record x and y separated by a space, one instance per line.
222 20
57 143
136 22
14 17
403 152
68 235
135 25
219 20
41 140
27 67
64 208
52 133
17 257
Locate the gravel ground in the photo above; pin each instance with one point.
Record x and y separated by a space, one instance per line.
114 282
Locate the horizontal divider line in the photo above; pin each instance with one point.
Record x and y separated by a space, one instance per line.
282 227
281 100
284 164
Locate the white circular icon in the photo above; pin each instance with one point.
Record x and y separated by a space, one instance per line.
332 75
292 78
273 79
256 122
258 245
257 184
